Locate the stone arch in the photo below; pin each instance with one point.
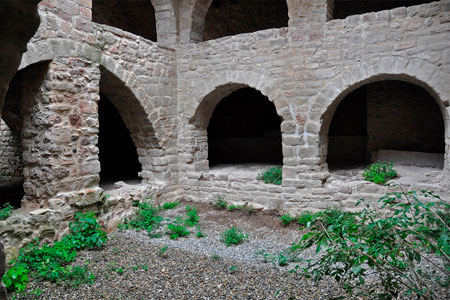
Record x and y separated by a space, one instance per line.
415 71
193 133
52 48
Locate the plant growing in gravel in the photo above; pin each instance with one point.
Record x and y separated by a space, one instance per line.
231 207
162 251
199 234
286 220
52 262
176 229
272 175
86 232
215 257
147 218
220 203
233 236
407 245
379 172
233 269
5 212
170 205
305 219
192 216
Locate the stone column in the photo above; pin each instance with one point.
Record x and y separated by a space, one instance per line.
59 135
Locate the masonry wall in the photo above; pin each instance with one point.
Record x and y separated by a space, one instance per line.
10 152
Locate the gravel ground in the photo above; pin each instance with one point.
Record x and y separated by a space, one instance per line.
131 266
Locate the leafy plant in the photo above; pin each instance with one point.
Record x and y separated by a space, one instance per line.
305 219
286 219
391 242
86 232
233 236
170 205
192 216
147 218
5 212
232 207
199 234
162 251
51 262
176 229
379 172
272 175
220 203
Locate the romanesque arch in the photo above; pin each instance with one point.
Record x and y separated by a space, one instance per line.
219 18
415 71
197 113
53 48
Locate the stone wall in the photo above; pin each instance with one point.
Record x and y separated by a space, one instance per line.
10 152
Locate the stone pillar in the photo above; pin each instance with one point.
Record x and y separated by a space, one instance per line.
309 13
59 135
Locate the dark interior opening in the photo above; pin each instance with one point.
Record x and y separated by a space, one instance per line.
137 17
345 8
231 17
117 152
244 128
384 115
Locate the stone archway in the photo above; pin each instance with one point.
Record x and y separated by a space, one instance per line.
414 71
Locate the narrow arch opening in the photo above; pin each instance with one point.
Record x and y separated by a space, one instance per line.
386 119
344 8
11 167
231 17
137 17
244 128
117 152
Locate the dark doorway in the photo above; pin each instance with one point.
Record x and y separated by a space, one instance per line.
231 17
118 155
344 8
244 128
137 17
384 115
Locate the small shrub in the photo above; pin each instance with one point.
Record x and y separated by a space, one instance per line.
86 232
170 205
148 218
5 212
163 251
286 220
16 278
232 207
272 175
199 234
220 203
176 230
305 219
379 172
192 216
390 243
233 236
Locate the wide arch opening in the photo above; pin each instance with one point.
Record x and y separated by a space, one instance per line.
384 120
11 167
344 8
244 128
137 17
231 17
117 152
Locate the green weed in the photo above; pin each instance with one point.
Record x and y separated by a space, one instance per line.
5 212
379 172
233 236
272 175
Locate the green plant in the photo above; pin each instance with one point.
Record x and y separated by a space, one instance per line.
305 219
199 234
5 212
391 240
86 232
272 175
162 251
379 172
192 216
233 236
176 229
232 207
286 219
147 218
52 262
233 269
170 205
220 203
215 257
